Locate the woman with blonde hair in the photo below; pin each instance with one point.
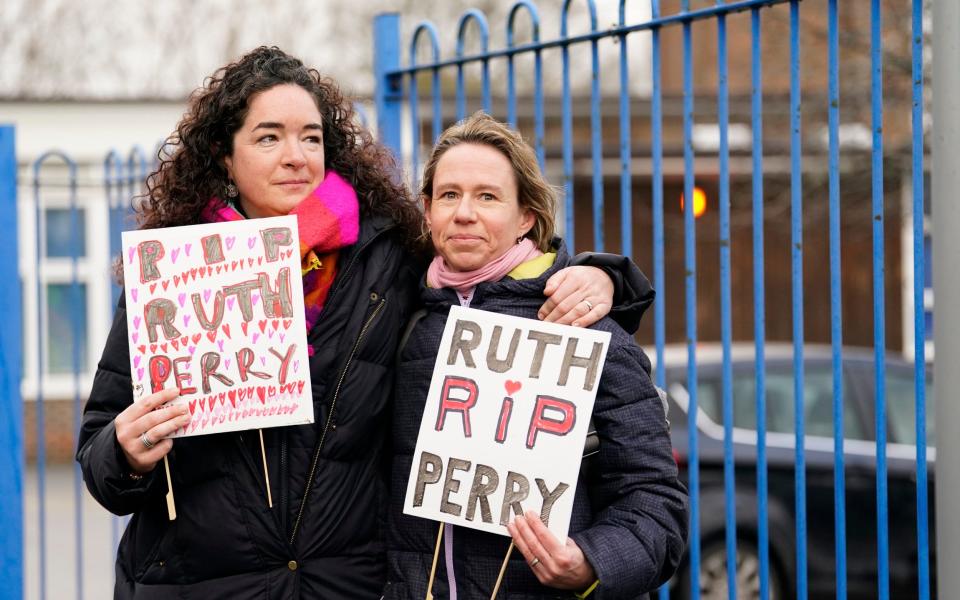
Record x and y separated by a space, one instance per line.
490 218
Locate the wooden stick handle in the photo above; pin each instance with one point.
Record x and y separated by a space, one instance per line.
171 508
503 569
433 569
266 474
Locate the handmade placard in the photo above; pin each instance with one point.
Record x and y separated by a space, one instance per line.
505 421
217 310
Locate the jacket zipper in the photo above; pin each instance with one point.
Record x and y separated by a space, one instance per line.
333 407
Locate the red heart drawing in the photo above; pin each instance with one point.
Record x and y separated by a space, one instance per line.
243 326
261 392
512 386
226 329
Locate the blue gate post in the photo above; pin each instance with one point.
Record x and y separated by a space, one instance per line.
11 403
389 90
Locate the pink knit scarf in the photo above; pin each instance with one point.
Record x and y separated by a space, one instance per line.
439 274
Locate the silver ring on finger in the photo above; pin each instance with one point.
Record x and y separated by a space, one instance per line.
147 443
588 303
534 562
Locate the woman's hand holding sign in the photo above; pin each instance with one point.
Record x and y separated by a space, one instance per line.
555 564
142 430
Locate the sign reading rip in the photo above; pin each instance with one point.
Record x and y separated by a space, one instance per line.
505 420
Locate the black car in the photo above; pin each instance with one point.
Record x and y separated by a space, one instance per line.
859 460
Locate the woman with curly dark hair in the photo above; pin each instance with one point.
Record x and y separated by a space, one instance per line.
268 136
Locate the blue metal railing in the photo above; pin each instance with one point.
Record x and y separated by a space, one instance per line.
391 76
398 85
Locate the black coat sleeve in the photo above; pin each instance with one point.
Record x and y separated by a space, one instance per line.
632 292
105 469
639 526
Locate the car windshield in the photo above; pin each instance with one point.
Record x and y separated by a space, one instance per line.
817 401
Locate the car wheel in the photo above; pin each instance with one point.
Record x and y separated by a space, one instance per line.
713 574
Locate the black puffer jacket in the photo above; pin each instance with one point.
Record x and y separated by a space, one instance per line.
226 542
629 516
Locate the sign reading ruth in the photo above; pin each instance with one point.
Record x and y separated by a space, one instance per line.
505 421
217 311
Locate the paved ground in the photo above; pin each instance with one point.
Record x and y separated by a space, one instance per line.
98 534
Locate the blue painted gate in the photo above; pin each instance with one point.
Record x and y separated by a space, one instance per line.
625 138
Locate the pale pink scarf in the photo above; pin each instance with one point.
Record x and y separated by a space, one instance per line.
440 275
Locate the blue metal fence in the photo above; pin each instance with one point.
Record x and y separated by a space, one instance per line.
397 87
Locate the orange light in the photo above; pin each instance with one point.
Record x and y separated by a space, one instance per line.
699 202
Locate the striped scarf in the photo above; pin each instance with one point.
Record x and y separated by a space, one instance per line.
328 220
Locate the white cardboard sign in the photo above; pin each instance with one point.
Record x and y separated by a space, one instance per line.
505 421
217 310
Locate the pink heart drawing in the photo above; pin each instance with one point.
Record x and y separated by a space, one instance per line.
226 363
255 336
140 374
251 241
130 251
230 301
296 365
133 294
181 298
281 338
136 322
220 345
263 360
255 298
136 361
230 241
186 249
192 350
174 254
135 337
186 320
270 334
206 295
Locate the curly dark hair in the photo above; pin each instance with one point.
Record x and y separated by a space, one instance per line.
192 167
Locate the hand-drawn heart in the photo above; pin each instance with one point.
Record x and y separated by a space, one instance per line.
181 298
212 335
226 330
174 254
512 386
230 241
243 326
133 294
136 322
251 241
130 252
135 337
186 249
186 320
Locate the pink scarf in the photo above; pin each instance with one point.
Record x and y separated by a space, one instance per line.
440 275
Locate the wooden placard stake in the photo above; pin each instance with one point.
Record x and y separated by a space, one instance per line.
433 569
503 569
171 508
266 474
